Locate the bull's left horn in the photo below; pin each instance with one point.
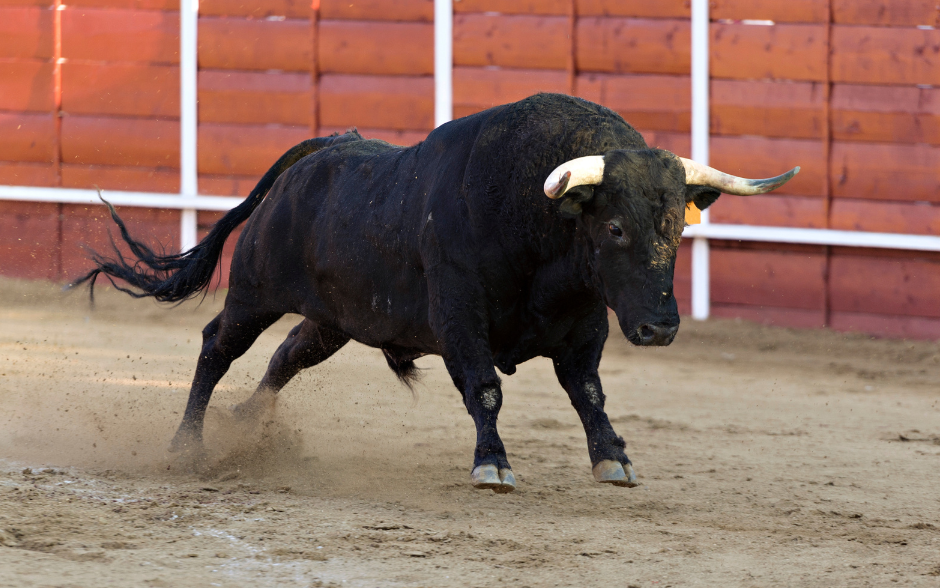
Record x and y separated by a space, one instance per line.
697 174
576 172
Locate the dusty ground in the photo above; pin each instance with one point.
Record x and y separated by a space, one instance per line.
768 457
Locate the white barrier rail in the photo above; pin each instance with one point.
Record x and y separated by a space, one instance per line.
118 198
830 237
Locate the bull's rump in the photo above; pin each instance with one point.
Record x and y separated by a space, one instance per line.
335 241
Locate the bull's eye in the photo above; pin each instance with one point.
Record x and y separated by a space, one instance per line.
615 230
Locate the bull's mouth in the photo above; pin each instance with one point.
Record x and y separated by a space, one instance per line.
652 334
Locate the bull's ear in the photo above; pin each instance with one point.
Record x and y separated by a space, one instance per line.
574 199
701 196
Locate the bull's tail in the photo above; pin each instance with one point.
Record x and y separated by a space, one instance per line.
178 277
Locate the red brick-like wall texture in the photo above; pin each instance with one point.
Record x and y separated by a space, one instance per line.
89 96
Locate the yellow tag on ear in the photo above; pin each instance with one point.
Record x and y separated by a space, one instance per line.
693 216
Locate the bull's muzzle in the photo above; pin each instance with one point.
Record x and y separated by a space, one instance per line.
652 334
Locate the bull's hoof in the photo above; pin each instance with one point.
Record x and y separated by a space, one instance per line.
253 408
613 472
488 477
186 442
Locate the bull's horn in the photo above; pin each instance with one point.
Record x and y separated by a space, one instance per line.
697 174
576 172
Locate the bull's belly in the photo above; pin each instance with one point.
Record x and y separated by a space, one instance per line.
384 318
410 334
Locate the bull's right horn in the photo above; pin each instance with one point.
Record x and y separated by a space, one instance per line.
697 174
575 172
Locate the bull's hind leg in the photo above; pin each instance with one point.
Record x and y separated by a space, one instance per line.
307 345
225 339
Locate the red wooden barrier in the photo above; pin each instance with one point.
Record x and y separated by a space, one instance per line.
639 8
770 109
401 10
25 32
769 278
556 7
885 171
886 114
632 45
113 177
886 12
122 89
653 102
139 142
365 47
26 137
255 97
227 43
27 86
786 51
384 102
477 88
258 9
903 286
882 55
170 5
531 42
229 149
678 143
911 218
775 10
29 237
27 174
775 210
120 35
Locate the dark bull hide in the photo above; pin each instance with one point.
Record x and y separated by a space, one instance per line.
458 247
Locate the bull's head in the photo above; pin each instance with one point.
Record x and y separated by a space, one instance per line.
631 205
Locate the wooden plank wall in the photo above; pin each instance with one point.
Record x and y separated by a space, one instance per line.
90 97
848 89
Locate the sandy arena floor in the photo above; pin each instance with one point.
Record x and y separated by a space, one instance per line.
768 457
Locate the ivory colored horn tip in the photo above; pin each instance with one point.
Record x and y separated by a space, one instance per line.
556 188
796 170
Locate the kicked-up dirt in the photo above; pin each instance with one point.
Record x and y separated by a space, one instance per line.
768 457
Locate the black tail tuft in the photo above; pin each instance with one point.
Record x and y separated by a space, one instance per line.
179 277
408 373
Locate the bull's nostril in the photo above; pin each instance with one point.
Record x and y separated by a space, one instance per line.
652 334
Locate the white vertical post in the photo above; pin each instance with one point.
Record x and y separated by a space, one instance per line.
701 303
443 61
189 15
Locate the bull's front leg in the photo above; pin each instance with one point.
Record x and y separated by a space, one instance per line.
461 330
576 368
483 399
471 368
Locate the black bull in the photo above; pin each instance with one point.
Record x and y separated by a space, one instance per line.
449 247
